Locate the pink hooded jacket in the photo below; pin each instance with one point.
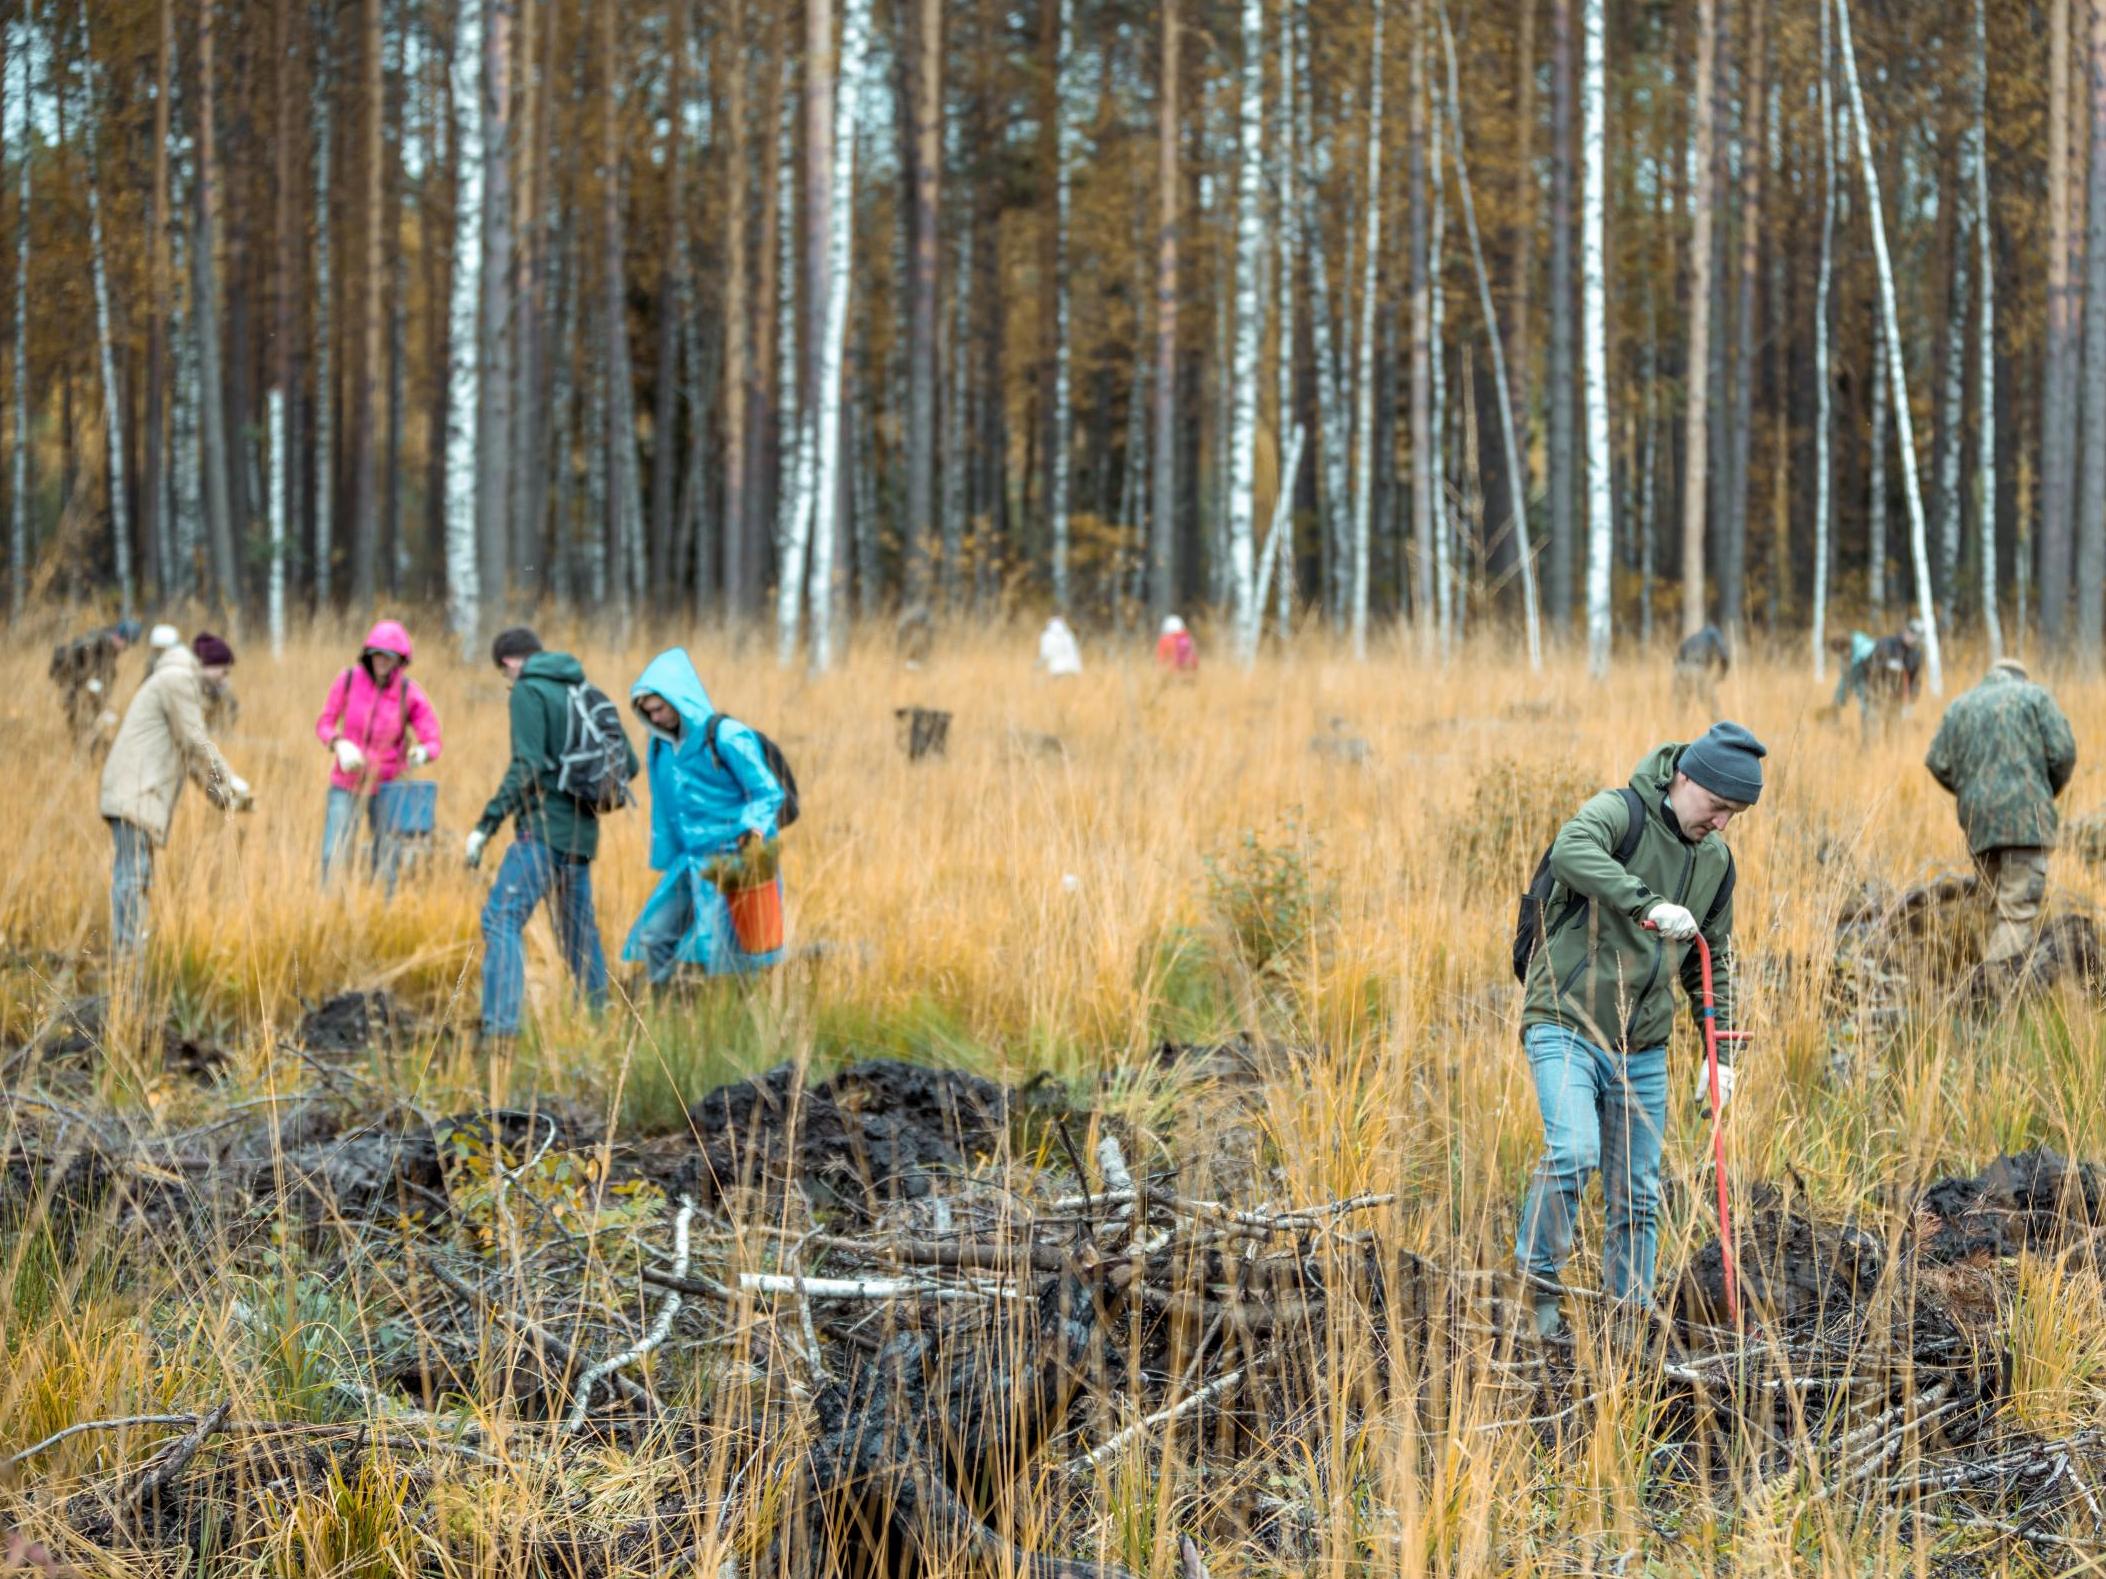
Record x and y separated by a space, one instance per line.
378 721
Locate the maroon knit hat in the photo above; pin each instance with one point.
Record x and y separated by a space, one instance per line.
212 651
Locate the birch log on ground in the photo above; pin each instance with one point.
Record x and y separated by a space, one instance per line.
1933 665
1250 318
1594 354
463 407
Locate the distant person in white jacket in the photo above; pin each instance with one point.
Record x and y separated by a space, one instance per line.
1058 653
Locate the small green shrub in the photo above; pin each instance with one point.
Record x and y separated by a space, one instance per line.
1269 898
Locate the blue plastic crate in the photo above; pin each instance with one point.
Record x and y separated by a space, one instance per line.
407 806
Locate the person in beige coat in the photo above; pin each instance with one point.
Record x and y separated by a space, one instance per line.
161 742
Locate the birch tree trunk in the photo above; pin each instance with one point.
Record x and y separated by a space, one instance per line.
1953 401
1364 395
186 484
1933 666
1163 515
1424 479
1985 345
2091 516
825 412
738 335
1876 471
274 416
2058 417
956 407
1696 415
1740 439
18 461
1334 497
324 340
463 352
1443 551
1824 469
1563 473
1060 437
495 326
1289 248
1516 462
1250 317
624 524
112 392
1594 353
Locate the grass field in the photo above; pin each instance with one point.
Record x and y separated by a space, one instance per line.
1189 861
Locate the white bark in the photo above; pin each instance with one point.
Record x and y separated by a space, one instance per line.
1364 395
463 579
1437 312
1876 475
1289 244
1904 431
18 511
1823 462
112 394
1282 528
793 522
1985 364
324 350
1333 497
1516 463
1250 318
1594 355
1952 509
275 606
187 486
1063 400
825 412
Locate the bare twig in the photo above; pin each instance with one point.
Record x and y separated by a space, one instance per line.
1117 1443
650 1340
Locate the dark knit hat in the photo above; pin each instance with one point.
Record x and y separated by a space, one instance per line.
127 631
517 642
1726 760
212 651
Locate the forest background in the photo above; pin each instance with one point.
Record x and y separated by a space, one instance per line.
1586 313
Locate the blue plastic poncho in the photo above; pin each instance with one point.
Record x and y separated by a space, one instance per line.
702 801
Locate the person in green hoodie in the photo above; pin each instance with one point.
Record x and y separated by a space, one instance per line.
554 837
1600 996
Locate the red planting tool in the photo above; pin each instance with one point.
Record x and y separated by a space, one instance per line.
1707 1014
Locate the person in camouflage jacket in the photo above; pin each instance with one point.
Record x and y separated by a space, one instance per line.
2005 751
85 672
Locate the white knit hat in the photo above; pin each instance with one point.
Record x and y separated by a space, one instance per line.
163 637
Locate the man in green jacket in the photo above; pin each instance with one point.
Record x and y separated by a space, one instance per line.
1600 996
554 837
2005 752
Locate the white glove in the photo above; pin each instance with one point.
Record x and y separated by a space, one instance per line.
474 848
418 756
95 688
1703 1085
349 758
1672 921
238 795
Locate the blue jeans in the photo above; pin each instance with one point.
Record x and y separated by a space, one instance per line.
340 832
1605 1111
130 878
528 873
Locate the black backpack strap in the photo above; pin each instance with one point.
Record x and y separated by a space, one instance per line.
709 738
1724 895
1634 829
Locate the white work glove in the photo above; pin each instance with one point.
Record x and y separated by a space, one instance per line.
473 850
95 688
1703 1086
349 758
418 756
1672 921
238 795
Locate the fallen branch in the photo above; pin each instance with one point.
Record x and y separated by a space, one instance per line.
650 1340
166 1467
1117 1443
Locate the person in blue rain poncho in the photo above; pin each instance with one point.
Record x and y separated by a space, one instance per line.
713 798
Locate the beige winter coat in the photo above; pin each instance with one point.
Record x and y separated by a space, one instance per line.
162 738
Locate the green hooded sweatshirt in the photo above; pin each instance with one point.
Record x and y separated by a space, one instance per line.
540 721
1601 973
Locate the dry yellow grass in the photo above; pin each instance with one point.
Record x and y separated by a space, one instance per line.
1021 908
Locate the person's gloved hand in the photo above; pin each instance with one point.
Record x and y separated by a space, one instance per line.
238 795
95 688
418 756
349 758
1703 1086
473 851
1672 921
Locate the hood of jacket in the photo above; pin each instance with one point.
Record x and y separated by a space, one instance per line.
388 636
672 675
558 667
1655 772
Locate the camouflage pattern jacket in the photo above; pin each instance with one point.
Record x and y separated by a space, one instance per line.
2005 751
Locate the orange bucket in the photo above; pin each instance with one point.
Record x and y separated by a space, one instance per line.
756 916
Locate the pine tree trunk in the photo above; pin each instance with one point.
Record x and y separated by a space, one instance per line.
1364 422
738 334
324 339
2091 512
1559 485
1516 462
112 393
1985 345
1519 349
288 202
464 405
1594 352
665 405
924 19
366 484
1824 465
2058 417
624 523
1163 512
18 530
1444 556
1933 666
1696 418
1288 240
1424 481
1334 496
495 327
1250 321
186 485
218 479
153 481
1733 560
1060 428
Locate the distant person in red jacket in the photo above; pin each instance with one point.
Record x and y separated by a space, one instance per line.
377 724
1174 650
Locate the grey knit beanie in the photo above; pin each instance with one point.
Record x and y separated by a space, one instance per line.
1726 760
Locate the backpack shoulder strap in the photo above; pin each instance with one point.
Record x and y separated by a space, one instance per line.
709 738
1634 829
1723 896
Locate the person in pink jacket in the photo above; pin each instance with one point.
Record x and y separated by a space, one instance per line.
377 723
